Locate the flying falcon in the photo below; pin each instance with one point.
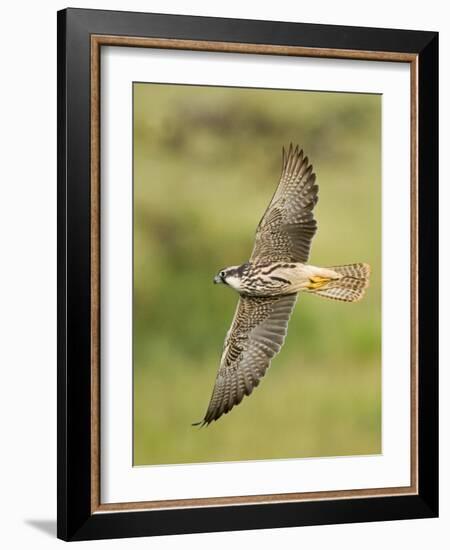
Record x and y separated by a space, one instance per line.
269 282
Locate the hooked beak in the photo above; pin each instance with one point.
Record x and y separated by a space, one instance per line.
218 279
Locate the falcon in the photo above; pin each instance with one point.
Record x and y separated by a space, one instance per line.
269 283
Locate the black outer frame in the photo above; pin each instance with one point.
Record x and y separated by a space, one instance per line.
75 521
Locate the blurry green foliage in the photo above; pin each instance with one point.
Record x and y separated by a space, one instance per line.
206 162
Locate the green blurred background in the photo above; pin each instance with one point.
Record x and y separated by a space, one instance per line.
206 162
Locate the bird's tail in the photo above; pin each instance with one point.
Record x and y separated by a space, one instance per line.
349 287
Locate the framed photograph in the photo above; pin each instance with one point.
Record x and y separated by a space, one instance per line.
294 166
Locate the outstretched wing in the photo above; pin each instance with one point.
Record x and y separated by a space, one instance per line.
286 230
255 337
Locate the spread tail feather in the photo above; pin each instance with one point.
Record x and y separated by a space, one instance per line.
350 287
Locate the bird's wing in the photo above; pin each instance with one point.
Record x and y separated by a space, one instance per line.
255 337
287 227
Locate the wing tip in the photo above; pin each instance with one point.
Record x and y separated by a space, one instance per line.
293 157
201 423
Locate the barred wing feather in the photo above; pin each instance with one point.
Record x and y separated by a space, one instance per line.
256 335
287 227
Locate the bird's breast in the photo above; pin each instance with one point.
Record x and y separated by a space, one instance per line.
274 279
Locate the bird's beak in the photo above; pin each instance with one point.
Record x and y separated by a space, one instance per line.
218 279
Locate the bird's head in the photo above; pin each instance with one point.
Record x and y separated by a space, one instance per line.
231 276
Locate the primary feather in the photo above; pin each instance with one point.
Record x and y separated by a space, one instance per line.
287 227
255 337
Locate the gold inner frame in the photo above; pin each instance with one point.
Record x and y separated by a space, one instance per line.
97 41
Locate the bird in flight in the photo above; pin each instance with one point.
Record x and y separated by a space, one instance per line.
268 284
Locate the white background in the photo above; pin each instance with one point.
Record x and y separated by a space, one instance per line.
119 481
28 274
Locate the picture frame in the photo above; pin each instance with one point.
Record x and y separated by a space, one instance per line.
81 36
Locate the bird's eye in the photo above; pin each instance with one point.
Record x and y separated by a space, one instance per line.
222 274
